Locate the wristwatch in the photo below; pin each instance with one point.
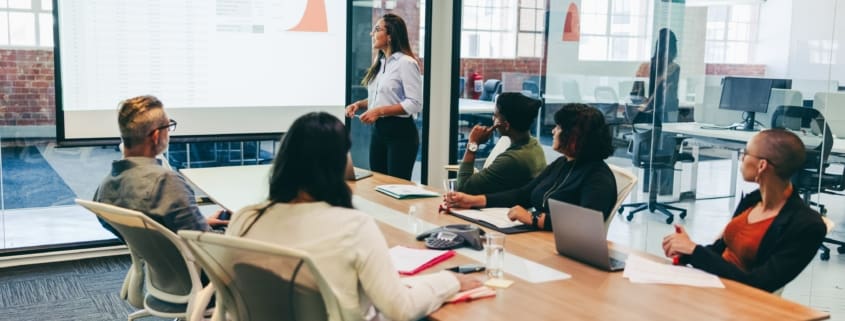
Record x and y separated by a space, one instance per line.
535 216
472 146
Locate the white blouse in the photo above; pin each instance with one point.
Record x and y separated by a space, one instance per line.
351 253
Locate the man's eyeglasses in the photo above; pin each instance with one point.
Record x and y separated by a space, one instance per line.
171 126
743 152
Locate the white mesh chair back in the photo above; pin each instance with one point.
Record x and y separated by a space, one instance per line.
625 182
170 280
501 146
258 281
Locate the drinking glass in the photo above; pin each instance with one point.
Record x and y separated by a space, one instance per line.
495 247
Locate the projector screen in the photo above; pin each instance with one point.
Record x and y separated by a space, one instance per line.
221 67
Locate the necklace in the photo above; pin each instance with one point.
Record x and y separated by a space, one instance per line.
557 186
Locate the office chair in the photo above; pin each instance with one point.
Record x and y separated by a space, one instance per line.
262 281
813 177
625 182
501 145
172 282
832 105
531 88
491 88
571 91
646 155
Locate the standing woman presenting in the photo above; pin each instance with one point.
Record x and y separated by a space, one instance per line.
394 87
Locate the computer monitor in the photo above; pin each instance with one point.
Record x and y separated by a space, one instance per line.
749 95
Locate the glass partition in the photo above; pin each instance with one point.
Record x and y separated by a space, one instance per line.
673 67
502 50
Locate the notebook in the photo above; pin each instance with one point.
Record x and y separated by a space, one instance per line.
410 261
580 235
402 191
495 218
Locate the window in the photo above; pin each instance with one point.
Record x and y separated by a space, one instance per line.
530 27
615 30
489 29
731 33
26 23
823 52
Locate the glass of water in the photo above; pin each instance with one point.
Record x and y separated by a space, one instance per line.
495 248
450 185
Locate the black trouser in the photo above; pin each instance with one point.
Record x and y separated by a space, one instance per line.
393 146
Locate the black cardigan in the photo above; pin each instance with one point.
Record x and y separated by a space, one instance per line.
787 247
591 185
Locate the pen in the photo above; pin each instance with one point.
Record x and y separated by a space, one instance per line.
676 260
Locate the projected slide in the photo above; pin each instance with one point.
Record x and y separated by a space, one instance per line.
220 66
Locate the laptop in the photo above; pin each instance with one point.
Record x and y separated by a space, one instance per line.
355 173
580 235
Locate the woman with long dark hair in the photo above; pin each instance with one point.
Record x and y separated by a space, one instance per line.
394 87
663 77
310 208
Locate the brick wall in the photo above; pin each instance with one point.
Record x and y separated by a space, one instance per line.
493 68
735 70
27 93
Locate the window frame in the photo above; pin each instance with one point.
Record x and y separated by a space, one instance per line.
644 38
37 12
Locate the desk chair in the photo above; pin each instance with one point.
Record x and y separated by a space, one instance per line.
826 250
646 155
571 91
262 281
832 106
172 283
501 146
491 88
813 177
625 182
531 89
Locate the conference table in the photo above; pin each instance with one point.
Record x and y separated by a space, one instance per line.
587 293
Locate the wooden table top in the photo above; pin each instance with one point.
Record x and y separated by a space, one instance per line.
590 294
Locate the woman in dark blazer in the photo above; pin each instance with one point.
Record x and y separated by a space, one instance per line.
773 235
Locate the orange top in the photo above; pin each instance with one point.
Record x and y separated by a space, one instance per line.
742 239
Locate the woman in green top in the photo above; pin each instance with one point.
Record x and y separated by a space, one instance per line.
521 162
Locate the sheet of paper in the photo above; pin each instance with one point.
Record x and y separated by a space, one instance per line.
641 270
409 261
497 216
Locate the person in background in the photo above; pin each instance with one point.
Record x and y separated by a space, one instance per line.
663 78
310 208
579 177
394 85
773 234
140 182
515 167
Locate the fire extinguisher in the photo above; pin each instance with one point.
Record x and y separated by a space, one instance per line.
477 84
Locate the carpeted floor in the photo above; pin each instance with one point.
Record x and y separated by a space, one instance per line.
29 181
75 290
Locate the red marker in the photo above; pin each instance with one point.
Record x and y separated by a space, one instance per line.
676 260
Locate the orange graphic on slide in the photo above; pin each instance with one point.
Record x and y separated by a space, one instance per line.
314 18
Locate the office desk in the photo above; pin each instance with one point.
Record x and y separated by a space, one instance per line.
475 106
589 294
732 140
